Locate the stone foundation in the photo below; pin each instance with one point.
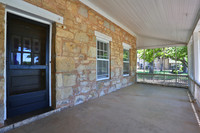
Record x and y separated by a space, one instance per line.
74 54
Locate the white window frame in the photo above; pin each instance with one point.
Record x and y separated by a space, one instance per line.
108 60
126 47
105 39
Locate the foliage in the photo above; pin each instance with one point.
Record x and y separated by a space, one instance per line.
174 53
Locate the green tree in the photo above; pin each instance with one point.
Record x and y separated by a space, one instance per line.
174 53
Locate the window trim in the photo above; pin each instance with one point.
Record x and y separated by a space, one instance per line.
104 41
126 47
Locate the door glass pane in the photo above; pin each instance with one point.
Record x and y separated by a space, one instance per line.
16 58
36 46
36 59
26 59
16 43
27 45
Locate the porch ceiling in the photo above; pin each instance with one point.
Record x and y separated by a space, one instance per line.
156 23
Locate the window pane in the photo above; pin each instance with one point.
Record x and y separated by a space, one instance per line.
105 55
102 50
126 68
26 59
100 45
100 54
102 69
126 55
105 47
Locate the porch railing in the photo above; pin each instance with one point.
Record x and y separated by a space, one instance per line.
163 79
194 88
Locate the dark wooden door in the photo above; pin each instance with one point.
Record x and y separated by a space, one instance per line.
27 65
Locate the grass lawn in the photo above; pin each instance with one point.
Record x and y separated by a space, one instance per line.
161 72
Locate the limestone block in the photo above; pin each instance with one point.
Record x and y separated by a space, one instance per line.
83 83
58 45
93 19
102 93
83 27
83 11
80 68
93 94
107 83
84 49
85 89
92 52
117 72
69 47
124 81
81 37
112 28
69 80
118 86
111 89
59 80
79 99
64 33
106 24
64 64
64 93
92 76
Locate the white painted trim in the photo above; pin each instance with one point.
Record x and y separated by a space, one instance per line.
194 109
50 47
102 79
100 11
5 92
126 75
32 9
34 18
126 46
100 36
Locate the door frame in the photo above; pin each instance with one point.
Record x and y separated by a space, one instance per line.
34 18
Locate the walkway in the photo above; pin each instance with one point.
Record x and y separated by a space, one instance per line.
136 109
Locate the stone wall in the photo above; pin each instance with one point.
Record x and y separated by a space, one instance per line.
74 53
2 15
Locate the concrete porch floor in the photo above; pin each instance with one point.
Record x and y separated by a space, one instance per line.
139 108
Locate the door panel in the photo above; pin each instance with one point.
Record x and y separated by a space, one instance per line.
27 65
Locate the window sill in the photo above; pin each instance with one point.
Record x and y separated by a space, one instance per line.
126 75
102 79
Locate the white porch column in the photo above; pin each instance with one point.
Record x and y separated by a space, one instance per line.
196 53
196 40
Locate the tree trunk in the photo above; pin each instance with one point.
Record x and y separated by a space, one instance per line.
151 67
184 68
161 66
